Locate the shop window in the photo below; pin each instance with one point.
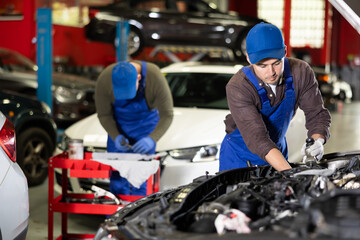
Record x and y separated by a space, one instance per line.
307 20
65 13
272 11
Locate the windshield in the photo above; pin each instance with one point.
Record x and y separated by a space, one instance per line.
202 90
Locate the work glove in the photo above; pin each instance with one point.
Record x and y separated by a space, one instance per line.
144 145
316 150
122 144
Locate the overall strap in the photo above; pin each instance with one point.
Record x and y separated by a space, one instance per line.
288 76
143 69
253 79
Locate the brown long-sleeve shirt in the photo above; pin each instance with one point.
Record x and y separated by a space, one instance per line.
157 96
245 105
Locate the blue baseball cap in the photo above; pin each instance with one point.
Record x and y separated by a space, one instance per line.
124 77
264 40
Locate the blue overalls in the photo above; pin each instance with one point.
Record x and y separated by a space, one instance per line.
234 152
134 120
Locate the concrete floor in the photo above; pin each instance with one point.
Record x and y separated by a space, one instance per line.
345 132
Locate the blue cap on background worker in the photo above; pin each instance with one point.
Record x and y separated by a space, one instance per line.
134 105
124 78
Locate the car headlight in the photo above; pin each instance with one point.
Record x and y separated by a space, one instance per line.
67 95
196 154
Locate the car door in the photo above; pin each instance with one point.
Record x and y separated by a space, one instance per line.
164 24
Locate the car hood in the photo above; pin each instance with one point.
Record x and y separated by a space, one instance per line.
193 127
305 202
190 127
60 79
23 101
73 81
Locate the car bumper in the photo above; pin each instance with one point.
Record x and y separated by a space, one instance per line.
15 197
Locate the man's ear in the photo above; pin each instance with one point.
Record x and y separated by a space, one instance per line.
247 58
285 50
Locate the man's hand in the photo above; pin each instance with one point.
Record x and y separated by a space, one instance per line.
316 150
144 145
122 144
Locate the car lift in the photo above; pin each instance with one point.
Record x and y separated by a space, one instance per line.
198 52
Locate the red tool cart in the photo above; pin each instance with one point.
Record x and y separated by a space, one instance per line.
86 168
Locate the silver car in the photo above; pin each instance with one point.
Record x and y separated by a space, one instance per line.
14 196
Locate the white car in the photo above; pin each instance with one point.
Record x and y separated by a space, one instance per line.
192 142
14 195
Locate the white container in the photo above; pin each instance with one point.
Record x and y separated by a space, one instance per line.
76 149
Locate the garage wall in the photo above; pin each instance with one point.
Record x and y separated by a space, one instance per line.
345 41
18 26
69 41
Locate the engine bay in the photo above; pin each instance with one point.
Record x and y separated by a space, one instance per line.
319 201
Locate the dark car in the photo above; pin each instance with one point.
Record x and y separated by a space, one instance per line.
72 94
154 22
332 88
258 202
36 134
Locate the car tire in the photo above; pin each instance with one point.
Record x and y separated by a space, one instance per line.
240 49
342 96
34 147
135 42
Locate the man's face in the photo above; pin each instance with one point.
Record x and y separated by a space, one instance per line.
138 69
269 70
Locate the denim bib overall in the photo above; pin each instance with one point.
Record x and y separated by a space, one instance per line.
134 120
234 152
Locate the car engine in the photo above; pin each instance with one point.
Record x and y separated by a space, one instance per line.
319 201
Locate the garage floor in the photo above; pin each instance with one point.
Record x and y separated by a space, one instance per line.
345 132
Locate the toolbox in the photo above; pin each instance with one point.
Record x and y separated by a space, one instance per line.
83 203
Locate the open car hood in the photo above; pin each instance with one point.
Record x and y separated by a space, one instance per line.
318 202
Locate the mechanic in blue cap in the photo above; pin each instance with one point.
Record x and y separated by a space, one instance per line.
134 105
264 97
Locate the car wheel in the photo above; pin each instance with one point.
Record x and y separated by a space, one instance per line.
342 96
135 42
34 147
240 48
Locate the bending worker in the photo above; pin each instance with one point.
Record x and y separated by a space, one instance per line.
263 99
134 105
